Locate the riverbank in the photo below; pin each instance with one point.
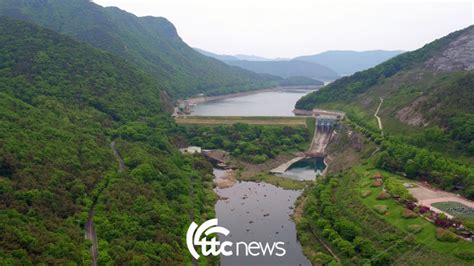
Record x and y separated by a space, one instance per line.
261 172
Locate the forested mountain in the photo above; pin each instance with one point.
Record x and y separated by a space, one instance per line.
287 69
427 110
348 62
150 43
62 104
432 80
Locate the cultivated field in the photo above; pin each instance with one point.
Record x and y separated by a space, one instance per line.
252 120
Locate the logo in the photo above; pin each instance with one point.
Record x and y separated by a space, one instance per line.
205 236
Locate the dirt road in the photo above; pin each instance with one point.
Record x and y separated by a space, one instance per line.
90 233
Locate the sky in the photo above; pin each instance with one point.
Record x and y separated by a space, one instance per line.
290 28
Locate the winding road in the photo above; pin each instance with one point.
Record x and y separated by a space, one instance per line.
376 115
90 233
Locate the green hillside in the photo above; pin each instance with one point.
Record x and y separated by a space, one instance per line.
149 42
62 104
427 87
427 111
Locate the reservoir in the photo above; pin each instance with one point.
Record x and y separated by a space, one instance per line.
269 103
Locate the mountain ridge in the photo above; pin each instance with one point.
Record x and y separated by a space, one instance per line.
425 91
346 62
150 43
287 69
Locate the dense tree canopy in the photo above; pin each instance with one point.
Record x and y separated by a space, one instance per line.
249 142
147 42
61 105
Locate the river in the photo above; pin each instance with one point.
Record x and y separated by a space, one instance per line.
270 103
259 211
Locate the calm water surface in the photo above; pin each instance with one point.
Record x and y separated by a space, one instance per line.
259 212
274 103
306 169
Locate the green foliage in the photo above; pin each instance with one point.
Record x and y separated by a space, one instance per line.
322 258
365 193
383 195
461 129
465 254
252 143
348 88
397 189
61 104
419 163
408 214
381 209
414 228
446 235
150 43
376 240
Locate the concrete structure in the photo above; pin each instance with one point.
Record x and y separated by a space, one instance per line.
327 113
283 167
191 150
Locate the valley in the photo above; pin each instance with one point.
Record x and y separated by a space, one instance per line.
117 138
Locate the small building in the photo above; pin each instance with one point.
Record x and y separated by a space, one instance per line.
191 150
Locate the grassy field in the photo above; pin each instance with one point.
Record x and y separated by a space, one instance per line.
427 235
285 183
291 121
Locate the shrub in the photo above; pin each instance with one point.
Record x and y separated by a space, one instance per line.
465 254
365 193
397 189
322 258
382 209
423 209
347 229
469 225
364 247
377 183
322 223
407 214
414 228
383 195
446 235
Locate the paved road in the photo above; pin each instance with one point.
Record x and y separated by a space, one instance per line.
379 121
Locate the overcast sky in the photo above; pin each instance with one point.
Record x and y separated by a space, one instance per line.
289 28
